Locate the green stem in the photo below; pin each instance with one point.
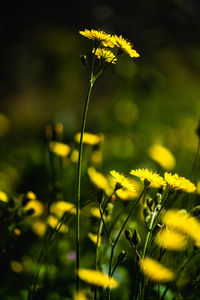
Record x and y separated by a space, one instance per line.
79 180
120 232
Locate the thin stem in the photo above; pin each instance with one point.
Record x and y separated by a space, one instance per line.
79 182
120 232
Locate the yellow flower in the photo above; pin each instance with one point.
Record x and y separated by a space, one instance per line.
97 278
162 156
81 295
171 239
93 238
155 271
36 205
95 212
59 149
125 46
16 266
98 180
3 197
155 179
89 138
39 227
53 222
107 55
183 222
60 207
31 196
99 36
122 181
177 182
126 195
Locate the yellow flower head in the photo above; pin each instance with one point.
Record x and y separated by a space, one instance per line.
183 222
95 212
98 180
97 278
53 222
16 266
125 46
60 207
122 181
100 36
89 138
107 55
59 149
126 195
93 238
81 295
177 182
31 196
3 197
39 227
171 239
155 179
36 205
155 271
162 156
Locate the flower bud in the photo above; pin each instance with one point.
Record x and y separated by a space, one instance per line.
135 238
195 211
158 198
128 235
122 256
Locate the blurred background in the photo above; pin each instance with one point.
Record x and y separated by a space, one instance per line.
137 103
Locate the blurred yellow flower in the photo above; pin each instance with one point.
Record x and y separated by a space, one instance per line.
177 182
162 156
97 278
17 231
39 227
60 207
93 238
107 55
81 295
89 138
155 271
125 46
36 205
31 196
96 157
99 36
184 222
53 222
95 212
59 149
3 197
74 156
126 195
16 266
155 179
98 180
122 181
171 239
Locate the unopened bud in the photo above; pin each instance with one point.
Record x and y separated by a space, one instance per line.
158 198
83 60
128 235
195 211
135 238
122 256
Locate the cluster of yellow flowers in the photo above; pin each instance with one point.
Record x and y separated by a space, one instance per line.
107 40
